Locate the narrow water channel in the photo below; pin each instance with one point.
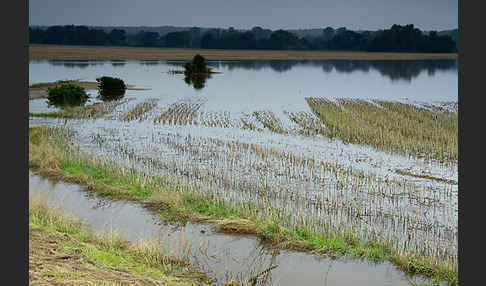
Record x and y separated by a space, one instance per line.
223 256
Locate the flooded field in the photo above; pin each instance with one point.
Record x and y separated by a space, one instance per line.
253 134
225 257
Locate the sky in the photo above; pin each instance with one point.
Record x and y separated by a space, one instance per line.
245 14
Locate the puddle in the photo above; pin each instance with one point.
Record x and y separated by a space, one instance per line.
224 256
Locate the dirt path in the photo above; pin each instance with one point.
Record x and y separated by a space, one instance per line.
58 52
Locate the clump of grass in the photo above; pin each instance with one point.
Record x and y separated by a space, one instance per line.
48 114
270 121
395 127
310 125
217 119
179 114
139 112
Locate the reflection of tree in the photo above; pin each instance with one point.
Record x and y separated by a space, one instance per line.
112 95
75 64
281 65
351 66
394 70
198 81
408 70
117 63
67 101
150 62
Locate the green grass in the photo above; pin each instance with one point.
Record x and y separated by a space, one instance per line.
49 114
48 152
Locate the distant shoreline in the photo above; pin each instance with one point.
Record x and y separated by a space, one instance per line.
65 52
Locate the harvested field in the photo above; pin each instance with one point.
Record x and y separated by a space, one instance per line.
57 52
339 158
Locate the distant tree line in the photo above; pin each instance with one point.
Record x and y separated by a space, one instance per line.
396 39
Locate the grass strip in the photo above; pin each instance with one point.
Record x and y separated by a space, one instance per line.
49 153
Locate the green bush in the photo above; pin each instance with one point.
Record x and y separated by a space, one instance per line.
67 94
111 88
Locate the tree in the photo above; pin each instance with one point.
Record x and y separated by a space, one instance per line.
178 39
149 39
327 34
117 37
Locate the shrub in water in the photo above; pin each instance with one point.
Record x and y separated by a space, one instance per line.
111 88
67 94
197 65
196 72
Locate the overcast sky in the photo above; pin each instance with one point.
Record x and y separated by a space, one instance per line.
245 14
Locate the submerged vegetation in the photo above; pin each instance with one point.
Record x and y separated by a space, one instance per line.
390 126
327 223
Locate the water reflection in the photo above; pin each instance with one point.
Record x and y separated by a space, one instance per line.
150 62
198 81
76 64
117 63
405 70
394 70
111 95
65 102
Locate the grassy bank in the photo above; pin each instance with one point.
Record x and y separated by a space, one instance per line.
62 251
390 126
58 52
49 153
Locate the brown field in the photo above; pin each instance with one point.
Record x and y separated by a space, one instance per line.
57 52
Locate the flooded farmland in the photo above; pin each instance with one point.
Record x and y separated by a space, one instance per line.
250 135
